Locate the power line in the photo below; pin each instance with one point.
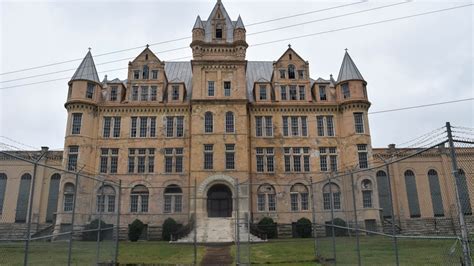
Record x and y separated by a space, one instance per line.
180 39
287 39
249 34
420 106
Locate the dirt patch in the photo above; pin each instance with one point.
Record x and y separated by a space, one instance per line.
217 255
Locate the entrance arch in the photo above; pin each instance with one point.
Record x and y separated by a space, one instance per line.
219 201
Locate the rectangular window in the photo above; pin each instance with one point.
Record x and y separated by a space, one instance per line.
144 95
154 74
263 92
268 126
258 126
285 126
152 127
283 93
327 201
304 201
301 74
168 160
230 156
72 158
271 202
293 93
133 127
270 160
210 88
178 160
136 74
265 160
179 126
282 73
143 126
131 160
113 160
104 158
293 157
322 93
346 93
153 93
76 123
302 93
294 126
367 198
90 90
143 159
68 202
330 125
135 93
107 126
359 123
167 206
151 160
328 159
261 202
294 201
113 93
320 125
304 126
227 88
117 123
169 126
260 160
363 159
175 95
208 156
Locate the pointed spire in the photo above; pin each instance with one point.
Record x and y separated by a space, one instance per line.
86 70
239 24
348 70
198 23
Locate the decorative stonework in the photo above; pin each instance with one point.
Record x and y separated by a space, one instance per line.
230 181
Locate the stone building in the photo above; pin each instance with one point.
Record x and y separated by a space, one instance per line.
214 122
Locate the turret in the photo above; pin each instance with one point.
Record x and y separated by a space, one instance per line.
85 85
239 31
198 30
350 84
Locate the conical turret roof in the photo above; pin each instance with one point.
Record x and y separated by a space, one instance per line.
198 23
239 24
86 70
348 70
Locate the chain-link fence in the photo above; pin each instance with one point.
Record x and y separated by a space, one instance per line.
409 206
74 223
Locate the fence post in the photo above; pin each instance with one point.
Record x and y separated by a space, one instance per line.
249 193
355 219
74 199
30 209
313 213
119 204
195 224
237 229
464 235
395 242
100 206
333 232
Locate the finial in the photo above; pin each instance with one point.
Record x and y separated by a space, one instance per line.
289 45
346 50
147 45
219 2
89 49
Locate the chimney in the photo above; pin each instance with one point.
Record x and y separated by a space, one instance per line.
391 148
44 148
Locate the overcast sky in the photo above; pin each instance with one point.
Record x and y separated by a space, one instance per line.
409 62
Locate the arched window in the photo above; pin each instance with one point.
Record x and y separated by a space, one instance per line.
68 202
291 71
106 199
229 122
139 199
328 189
299 197
266 198
173 199
145 72
3 187
208 122
435 191
384 194
463 191
53 197
22 200
412 194
366 193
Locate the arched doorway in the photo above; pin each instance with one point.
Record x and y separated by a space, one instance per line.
219 201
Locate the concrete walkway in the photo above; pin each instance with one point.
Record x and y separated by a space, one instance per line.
217 255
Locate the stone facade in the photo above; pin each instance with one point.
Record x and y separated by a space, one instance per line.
154 130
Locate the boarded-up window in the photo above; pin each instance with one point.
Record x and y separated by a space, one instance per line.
463 191
412 194
22 201
53 197
435 191
384 194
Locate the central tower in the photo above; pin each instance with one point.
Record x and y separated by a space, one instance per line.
219 122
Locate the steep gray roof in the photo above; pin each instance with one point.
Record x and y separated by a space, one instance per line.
257 71
86 70
239 24
198 23
180 72
228 23
348 70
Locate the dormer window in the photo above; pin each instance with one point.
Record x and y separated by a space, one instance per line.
282 73
218 31
346 93
263 92
301 74
291 71
145 72
154 74
136 74
113 93
175 94
322 93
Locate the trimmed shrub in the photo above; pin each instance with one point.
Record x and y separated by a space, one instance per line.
170 226
92 235
303 228
135 230
340 231
268 226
